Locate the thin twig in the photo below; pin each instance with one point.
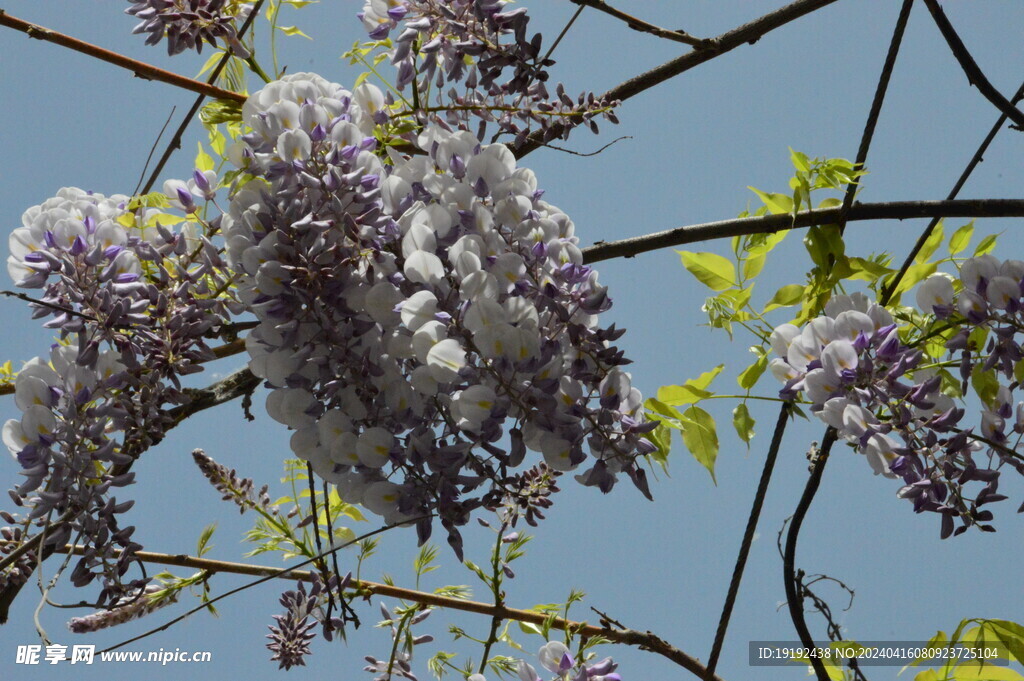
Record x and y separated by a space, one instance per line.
978 157
643 26
975 76
747 33
139 68
149 156
748 539
889 210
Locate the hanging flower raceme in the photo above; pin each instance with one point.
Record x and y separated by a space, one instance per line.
187 24
862 380
484 67
132 302
412 314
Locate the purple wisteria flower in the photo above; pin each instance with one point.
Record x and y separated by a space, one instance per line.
132 303
414 313
484 67
187 24
864 381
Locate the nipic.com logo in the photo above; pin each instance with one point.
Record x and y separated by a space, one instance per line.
86 654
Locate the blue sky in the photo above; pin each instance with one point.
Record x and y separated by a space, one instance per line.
696 142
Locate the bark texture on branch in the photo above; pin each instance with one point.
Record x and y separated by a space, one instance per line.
890 210
139 68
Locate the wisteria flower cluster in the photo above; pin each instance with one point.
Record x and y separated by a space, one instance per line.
554 656
291 636
866 383
463 50
187 24
410 313
132 302
127 608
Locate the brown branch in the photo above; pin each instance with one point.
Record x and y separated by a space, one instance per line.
747 33
140 69
891 210
974 74
645 640
641 25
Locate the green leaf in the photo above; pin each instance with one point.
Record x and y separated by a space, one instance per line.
986 245
785 297
700 438
1011 635
972 671
749 376
711 269
931 244
985 384
530 628
830 202
777 203
800 161
961 237
203 545
704 380
293 30
676 395
691 391
743 423
360 78
753 266
670 416
204 161
866 270
824 245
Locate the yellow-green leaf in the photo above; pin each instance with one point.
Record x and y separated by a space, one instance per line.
293 30
972 671
985 384
986 245
743 423
785 297
204 161
753 266
777 203
800 161
704 380
749 376
700 438
961 237
711 269
931 244
675 395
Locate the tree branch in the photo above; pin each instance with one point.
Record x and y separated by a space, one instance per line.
795 600
747 33
645 640
641 25
139 68
889 210
748 539
974 74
